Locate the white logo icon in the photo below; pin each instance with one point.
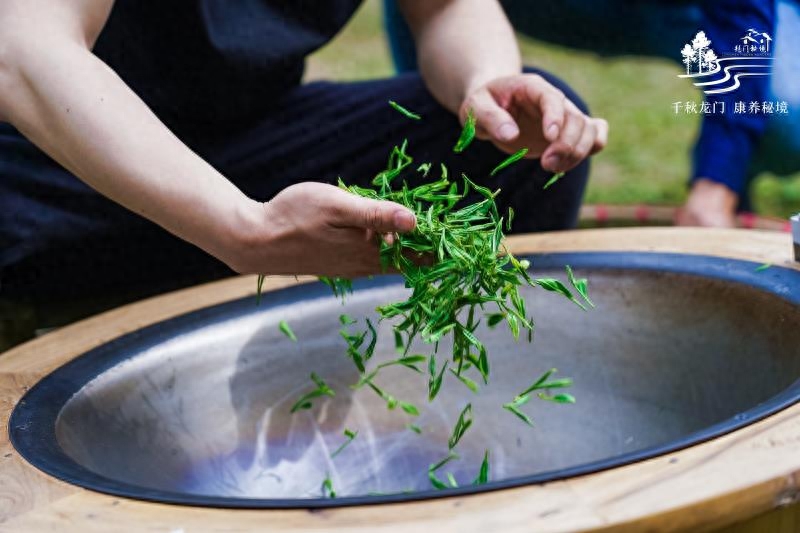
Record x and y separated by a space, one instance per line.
718 75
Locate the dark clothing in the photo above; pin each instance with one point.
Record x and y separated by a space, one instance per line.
216 64
62 240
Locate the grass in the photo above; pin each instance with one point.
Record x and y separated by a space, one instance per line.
647 160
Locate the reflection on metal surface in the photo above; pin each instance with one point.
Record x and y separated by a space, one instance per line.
197 409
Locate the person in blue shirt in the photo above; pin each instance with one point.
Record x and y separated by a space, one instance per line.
152 145
732 148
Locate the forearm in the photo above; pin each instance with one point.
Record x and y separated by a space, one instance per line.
462 45
78 111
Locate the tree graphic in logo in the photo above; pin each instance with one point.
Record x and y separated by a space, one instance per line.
699 53
688 57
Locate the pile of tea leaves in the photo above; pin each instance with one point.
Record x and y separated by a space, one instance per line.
459 275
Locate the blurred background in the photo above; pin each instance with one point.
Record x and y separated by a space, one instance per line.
648 157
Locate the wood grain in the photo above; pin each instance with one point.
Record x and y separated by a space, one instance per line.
738 477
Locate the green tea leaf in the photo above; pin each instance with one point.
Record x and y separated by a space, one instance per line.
340 287
436 482
416 429
399 345
327 488
259 288
350 435
557 398
286 330
471 385
404 111
544 383
346 320
765 266
510 218
467 133
483 473
372 343
409 408
494 319
322 390
435 381
553 180
510 160
581 285
522 416
462 425
554 285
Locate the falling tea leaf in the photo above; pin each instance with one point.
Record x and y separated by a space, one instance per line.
510 160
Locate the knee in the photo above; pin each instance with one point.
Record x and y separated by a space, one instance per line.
562 86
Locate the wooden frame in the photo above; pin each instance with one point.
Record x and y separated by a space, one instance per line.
733 478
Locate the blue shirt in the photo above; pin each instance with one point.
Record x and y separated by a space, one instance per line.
728 141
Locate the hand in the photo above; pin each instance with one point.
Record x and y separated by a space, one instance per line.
710 204
525 111
318 229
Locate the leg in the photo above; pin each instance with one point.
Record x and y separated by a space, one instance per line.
63 242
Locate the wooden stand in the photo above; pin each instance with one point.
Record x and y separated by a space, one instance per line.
747 481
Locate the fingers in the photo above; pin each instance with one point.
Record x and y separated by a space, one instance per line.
551 104
581 137
601 140
347 210
528 111
560 155
493 122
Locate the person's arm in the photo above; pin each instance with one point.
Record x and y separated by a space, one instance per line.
469 59
77 110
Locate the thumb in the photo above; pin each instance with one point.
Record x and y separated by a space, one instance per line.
380 216
493 121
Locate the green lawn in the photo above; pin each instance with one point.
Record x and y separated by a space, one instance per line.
647 159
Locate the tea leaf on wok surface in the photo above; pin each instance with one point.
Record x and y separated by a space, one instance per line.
483 473
305 401
327 488
350 436
435 481
287 330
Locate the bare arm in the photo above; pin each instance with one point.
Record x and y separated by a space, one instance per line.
76 109
463 45
469 59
